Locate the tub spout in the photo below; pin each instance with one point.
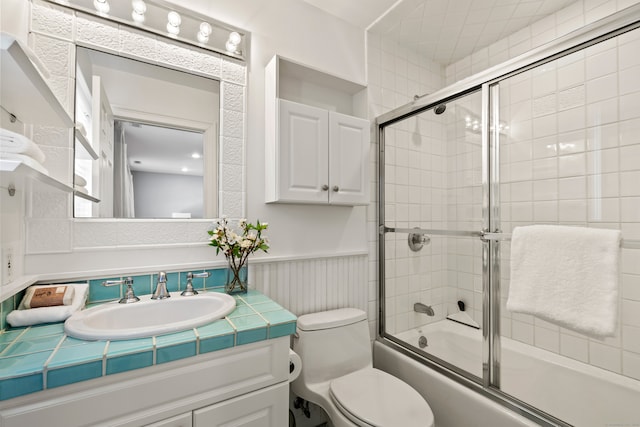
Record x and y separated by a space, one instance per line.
422 308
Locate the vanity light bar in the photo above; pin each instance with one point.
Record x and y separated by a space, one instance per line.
181 24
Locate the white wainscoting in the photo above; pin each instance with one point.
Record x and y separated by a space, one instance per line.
311 285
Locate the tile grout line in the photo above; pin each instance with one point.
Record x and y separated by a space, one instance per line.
155 357
45 367
195 331
104 358
235 331
15 340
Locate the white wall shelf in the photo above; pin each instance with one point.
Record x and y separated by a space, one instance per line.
16 285
88 149
85 196
16 174
24 91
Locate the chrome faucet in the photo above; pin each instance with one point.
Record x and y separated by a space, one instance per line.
161 287
129 296
422 308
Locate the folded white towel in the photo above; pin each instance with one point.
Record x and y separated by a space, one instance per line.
29 161
78 180
34 316
11 142
566 275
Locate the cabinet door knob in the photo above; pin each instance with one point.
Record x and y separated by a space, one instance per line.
325 187
335 188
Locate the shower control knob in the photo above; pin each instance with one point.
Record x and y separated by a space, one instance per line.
335 188
325 187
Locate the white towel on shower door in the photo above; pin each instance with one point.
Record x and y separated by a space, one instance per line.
566 275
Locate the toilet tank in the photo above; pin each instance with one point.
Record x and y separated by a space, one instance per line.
332 344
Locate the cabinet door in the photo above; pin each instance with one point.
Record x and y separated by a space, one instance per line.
182 420
348 160
303 153
264 408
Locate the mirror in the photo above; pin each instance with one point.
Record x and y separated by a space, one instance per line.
146 140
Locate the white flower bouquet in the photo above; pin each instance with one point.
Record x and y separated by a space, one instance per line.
237 246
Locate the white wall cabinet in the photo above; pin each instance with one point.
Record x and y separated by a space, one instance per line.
317 146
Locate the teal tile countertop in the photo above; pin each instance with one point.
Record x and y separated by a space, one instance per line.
42 357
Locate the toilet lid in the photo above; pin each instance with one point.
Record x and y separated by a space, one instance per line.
380 399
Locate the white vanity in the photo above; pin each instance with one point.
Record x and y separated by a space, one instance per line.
247 385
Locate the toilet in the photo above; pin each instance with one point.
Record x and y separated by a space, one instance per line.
338 374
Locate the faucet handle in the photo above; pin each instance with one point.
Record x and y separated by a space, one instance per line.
189 291
129 295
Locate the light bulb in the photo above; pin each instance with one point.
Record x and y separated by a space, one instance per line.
137 17
235 38
231 48
205 28
139 8
205 31
101 6
173 26
174 18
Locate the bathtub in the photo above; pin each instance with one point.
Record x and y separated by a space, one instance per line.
577 393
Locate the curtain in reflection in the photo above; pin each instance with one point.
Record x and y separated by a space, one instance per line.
123 206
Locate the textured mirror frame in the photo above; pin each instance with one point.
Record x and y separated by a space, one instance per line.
54 33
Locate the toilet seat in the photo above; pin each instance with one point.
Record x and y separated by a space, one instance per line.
372 398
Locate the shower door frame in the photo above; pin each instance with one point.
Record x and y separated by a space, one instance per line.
488 83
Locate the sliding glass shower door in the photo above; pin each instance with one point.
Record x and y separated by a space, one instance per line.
555 142
433 198
572 157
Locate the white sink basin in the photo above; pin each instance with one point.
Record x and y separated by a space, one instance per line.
147 317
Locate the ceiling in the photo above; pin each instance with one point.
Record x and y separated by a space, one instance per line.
163 150
442 30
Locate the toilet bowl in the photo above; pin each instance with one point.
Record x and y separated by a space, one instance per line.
337 374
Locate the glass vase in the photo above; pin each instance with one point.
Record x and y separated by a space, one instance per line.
236 280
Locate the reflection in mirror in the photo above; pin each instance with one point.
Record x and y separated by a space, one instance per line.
138 129
158 172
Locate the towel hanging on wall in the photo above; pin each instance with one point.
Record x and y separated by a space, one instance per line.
566 275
